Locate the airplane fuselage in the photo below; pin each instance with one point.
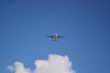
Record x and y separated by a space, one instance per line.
55 37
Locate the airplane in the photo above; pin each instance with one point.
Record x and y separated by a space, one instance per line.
55 37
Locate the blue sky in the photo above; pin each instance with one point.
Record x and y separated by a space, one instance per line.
85 25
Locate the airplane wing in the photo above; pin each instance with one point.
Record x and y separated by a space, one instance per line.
50 36
60 36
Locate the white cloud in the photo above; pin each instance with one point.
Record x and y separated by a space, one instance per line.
54 64
19 68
